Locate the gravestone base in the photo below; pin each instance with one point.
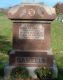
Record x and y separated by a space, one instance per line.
31 58
30 69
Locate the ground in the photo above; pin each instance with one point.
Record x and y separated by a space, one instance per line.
56 35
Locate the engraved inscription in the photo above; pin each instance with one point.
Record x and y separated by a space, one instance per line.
27 12
30 60
31 31
31 12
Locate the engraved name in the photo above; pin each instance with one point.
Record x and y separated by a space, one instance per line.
29 31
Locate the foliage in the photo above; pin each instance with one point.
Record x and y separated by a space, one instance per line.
3 61
3 58
44 73
19 72
1 69
59 58
59 17
60 74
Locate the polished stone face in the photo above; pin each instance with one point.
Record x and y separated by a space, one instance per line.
31 36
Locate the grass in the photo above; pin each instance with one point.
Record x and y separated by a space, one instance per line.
5 26
5 34
57 42
56 35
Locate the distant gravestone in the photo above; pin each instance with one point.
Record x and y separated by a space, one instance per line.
31 36
59 18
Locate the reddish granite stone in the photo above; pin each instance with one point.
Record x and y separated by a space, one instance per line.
31 35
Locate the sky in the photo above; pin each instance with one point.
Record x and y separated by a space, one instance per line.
10 3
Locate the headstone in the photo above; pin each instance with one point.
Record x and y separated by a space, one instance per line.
31 36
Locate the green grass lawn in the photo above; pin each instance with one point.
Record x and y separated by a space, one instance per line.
5 33
57 41
6 40
57 36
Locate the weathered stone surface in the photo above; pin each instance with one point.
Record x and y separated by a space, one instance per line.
32 11
31 59
31 36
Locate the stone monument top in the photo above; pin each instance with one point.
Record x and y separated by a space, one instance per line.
32 11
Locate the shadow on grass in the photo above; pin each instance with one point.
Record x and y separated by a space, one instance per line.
5 44
60 74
